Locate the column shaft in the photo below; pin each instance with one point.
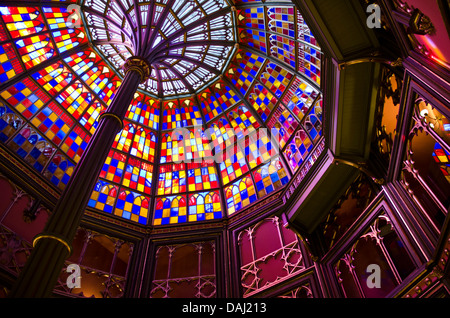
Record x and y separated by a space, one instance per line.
51 249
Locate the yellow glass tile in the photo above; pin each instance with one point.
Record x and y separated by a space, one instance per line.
209 216
21 108
58 173
166 213
128 206
50 134
110 200
100 206
26 92
39 103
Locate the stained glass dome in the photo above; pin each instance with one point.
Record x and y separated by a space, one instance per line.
227 77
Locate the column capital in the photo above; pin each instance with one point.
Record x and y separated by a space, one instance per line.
139 65
112 115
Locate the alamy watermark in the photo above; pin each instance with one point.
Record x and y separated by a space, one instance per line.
374 279
74 279
74 18
374 19
255 145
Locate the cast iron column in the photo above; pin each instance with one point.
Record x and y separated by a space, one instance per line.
53 246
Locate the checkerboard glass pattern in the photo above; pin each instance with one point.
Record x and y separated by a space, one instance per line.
276 78
221 134
244 69
132 206
270 177
282 125
59 170
184 113
34 50
59 105
172 147
242 121
190 114
170 210
313 122
76 143
30 145
232 164
287 37
270 86
204 206
144 144
262 100
75 98
259 148
202 176
52 121
129 168
22 21
197 146
282 43
144 110
104 196
309 52
138 175
298 149
66 38
26 24
240 194
10 122
172 179
25 97
171 116
300 98
255 39
54 78
10 65
102 82
114 167
216 100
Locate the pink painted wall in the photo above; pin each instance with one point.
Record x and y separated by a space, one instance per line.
13 219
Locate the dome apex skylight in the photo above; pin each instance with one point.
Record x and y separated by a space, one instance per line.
187 43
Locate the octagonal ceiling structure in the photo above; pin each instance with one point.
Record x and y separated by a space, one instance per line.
231 111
